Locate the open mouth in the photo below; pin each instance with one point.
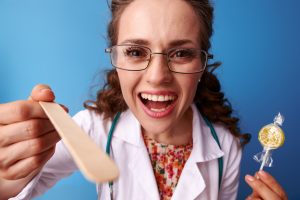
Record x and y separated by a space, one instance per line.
158 105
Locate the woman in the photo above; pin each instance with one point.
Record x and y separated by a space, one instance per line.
166 95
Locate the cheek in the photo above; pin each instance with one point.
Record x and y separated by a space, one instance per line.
192 90
190 85
127 83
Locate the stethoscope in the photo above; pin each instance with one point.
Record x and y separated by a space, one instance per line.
111 132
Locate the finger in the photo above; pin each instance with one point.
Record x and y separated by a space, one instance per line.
253 198
42 92
261 188
25 130
25 149
23 168
20 111
254 193
272 183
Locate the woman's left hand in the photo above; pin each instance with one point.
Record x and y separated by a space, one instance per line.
265 187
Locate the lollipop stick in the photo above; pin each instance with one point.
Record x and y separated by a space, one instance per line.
264 160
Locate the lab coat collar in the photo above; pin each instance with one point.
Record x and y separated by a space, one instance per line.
205 147
128 129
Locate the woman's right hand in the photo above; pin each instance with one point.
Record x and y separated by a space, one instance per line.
265 187
27 137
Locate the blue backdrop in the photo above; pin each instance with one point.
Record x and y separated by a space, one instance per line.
61 43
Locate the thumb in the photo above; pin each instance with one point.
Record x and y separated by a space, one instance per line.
42 92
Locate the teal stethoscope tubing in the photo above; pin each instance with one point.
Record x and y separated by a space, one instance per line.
208 123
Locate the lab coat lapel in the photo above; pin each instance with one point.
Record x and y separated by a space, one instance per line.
140 165
191 182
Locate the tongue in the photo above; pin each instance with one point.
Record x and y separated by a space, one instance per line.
157 104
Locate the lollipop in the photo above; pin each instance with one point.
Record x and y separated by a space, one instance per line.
271 137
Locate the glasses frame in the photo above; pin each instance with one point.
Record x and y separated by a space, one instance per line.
207 57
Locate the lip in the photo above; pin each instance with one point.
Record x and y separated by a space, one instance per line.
164 113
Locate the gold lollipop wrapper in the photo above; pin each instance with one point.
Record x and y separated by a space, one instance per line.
271 137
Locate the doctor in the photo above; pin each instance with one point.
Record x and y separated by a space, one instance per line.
162 96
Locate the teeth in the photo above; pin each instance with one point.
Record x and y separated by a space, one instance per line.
161 98
158 110
153 97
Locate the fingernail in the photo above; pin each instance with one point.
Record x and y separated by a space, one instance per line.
256 175
47 90
262 173
249 178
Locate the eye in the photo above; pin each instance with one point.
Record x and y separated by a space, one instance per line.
182 53
136 52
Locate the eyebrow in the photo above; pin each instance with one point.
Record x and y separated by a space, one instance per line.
180 42
136 41
146 43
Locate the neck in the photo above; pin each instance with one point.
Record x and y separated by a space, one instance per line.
181 134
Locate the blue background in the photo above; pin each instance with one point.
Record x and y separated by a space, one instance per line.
61 43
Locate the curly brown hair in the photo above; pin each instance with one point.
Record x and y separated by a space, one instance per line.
209 98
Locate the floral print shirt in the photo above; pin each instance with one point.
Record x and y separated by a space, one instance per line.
167 162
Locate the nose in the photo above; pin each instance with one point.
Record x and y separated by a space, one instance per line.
158 72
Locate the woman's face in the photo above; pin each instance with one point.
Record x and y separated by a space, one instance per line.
159 25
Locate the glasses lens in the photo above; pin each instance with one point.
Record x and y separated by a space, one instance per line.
130 57
187 60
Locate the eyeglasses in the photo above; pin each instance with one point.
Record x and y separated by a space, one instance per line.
179 60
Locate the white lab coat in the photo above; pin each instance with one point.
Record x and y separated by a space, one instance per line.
199 178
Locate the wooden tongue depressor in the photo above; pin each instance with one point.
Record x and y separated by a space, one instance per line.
91 160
